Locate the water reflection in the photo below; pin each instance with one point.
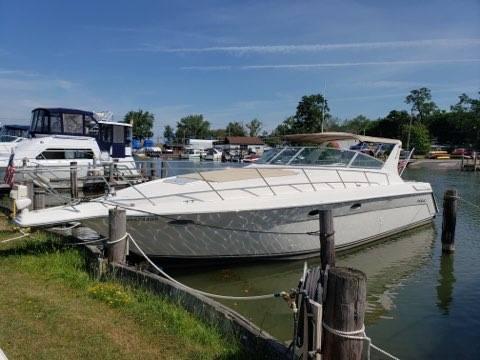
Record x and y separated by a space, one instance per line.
446 279
387 265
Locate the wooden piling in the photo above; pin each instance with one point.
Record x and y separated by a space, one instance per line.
450 204
110 172
344 311
475 157
327 238
117 251
163 169
39 196
73 180
30 192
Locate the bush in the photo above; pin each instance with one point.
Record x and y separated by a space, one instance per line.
419 138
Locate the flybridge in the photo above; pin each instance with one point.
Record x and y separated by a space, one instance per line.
111 136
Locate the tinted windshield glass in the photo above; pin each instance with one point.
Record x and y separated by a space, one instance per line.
285 156
269 155
324 156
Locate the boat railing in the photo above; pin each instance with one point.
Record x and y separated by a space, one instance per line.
132 173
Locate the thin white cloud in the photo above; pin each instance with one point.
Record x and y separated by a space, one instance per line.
284 49
331 65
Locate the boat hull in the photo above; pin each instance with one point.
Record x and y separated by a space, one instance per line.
279 233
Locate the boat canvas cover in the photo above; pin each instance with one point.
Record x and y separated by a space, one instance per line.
319 138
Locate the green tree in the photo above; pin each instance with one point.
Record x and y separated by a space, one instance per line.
218 133
254 127
357 125
142 122
168 134
235 129
311 113
419 137
421 102
288 126
390 126
192 126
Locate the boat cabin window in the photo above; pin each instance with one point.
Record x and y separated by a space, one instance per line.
73 123
65 154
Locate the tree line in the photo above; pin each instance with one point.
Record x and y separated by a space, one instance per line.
458 126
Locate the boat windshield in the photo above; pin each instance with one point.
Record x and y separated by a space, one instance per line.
8 138
319 156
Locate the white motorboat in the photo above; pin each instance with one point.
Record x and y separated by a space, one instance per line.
59 136
10 137
213 154
192 154
266 210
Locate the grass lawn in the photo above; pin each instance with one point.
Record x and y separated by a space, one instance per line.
51 309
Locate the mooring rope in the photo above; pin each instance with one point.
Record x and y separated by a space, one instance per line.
66 228
216 296
358 335
468 202
16 237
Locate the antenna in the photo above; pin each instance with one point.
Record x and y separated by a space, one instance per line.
323 105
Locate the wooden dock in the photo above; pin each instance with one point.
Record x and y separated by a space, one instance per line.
472 164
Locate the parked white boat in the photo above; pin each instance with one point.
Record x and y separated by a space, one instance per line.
193 154
266 210
213 154
59 136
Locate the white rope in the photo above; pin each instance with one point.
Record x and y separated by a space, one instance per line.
216 296
16 237
66 228
116 241
468 202
358 335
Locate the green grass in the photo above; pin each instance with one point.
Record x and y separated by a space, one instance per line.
51 309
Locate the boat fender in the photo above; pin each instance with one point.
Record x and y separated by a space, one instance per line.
23 203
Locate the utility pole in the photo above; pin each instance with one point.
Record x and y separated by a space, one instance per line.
409 130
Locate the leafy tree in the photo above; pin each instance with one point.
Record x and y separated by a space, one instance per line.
192 126
168 134
142 122
390 126
422 104
218 133
467 104
357 125
254 127
235 129
288 126
312 110
419 137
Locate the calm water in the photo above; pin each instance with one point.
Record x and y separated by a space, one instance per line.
421 304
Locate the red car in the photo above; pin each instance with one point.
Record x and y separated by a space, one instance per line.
462 152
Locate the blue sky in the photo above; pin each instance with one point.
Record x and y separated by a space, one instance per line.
234 60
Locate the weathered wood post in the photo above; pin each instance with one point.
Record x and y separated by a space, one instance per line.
110 172
462 164
73 180
345 313
30 194
153 170
450 204
163 169
117 229
39 199
475 157
327 238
